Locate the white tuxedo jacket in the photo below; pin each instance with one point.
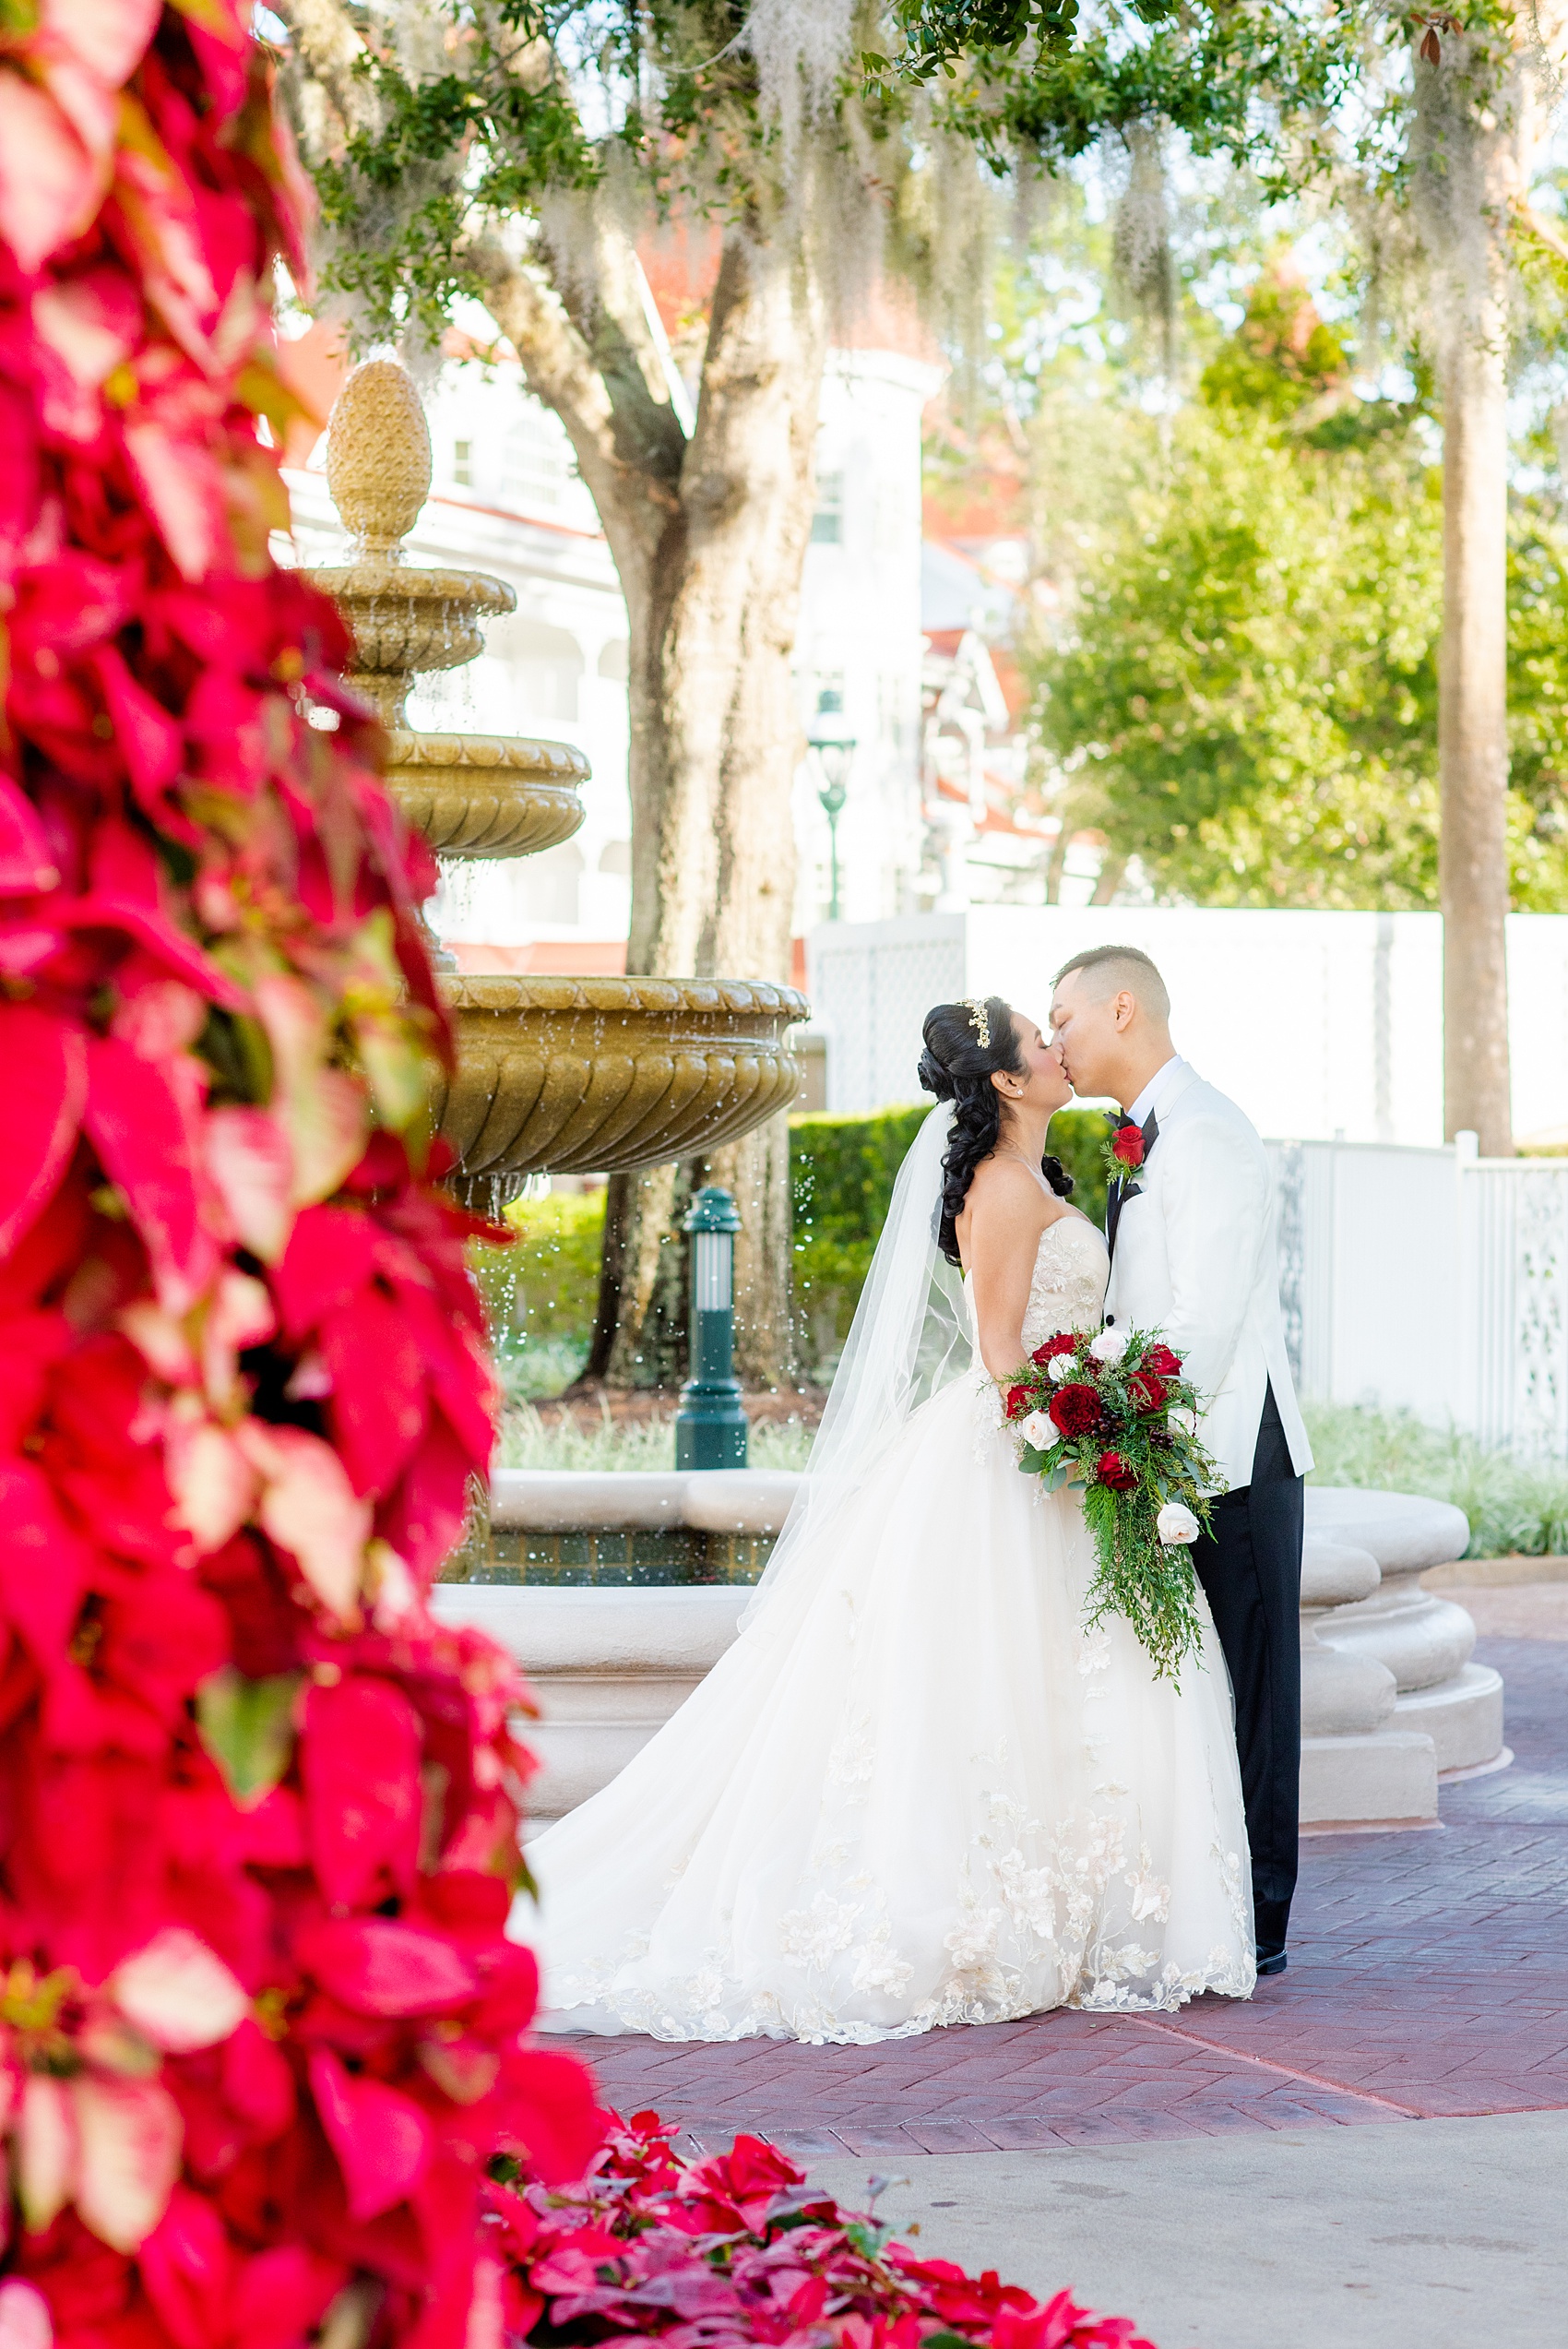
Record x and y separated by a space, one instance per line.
1195 1259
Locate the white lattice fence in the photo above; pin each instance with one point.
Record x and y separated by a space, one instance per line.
872 985
1429 1281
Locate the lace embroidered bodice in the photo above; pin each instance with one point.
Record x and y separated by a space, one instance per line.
1067 1286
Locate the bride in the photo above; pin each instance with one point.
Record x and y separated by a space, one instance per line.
915 1791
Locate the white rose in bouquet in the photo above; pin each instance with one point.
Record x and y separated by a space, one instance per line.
1109 1346
1062 1365
1040 1429
1177 1523
1186 1422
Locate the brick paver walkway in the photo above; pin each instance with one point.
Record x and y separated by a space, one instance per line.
1429 1975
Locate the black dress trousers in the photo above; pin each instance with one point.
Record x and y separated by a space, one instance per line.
1250 1566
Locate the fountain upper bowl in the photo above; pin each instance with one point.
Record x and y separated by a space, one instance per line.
477 795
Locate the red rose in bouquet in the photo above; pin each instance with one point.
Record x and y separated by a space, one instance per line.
1112 1470
1077 1409
1064 1342
1162 1362
1127 1144
1146 1392
1018 1402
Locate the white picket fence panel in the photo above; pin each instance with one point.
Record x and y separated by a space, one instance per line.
1431 1281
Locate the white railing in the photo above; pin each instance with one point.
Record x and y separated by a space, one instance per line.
1431 1281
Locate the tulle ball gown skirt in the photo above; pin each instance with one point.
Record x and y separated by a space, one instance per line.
913 1793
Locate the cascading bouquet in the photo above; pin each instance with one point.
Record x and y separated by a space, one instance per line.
1111 1410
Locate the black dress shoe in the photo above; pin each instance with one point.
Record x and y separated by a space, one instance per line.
1271 1961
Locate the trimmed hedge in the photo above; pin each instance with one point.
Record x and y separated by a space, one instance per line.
546 1286
544 1291
842 1171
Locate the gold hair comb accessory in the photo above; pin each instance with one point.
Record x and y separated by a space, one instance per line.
980 1019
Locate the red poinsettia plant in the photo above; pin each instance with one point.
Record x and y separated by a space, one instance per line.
739 2248
261 2029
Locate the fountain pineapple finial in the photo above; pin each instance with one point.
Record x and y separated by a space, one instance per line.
378 464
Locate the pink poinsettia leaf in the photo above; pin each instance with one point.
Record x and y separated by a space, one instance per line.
257 2082
330 1257
179 1993
188 2266
27 864
556 2117
129 2135
377 1966
360 1761
149 1146
383 2142
109 38
45 2148
18 471
91 321
309 1508
423 1518
153 932
214 1485
253 1167
48 183
148 739
184 489
44 1564
379 1407
45 1094
283 2296
25 2320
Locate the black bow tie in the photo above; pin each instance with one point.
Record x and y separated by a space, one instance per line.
1124 1187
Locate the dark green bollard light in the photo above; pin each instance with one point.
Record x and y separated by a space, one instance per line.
711 1427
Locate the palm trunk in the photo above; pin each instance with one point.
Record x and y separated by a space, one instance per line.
713 745
1472 744
1473 128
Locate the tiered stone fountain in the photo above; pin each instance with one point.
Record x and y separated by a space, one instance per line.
568 1076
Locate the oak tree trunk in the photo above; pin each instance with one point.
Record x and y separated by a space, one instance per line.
715 739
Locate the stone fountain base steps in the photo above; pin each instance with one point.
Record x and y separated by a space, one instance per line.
1390 1697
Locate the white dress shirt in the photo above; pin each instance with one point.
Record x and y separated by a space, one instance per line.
1152 1091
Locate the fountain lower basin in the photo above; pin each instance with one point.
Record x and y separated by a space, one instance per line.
590 1076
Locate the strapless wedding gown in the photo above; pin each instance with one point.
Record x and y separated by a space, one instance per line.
915 1791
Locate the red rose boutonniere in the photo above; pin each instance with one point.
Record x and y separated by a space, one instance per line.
1124 1153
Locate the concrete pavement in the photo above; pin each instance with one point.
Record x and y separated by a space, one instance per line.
1426 2234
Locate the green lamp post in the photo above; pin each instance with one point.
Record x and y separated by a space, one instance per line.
835 753
710 1426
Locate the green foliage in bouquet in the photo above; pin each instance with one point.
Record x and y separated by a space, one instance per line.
1112 1411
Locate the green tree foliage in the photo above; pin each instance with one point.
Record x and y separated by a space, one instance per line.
1245 694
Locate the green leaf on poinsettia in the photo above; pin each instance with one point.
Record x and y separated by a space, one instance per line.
248 1728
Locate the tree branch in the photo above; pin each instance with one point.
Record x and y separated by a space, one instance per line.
329 49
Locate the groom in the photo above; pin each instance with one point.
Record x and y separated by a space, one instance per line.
1191 1229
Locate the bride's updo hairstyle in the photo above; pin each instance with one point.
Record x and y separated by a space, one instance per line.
966 1045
